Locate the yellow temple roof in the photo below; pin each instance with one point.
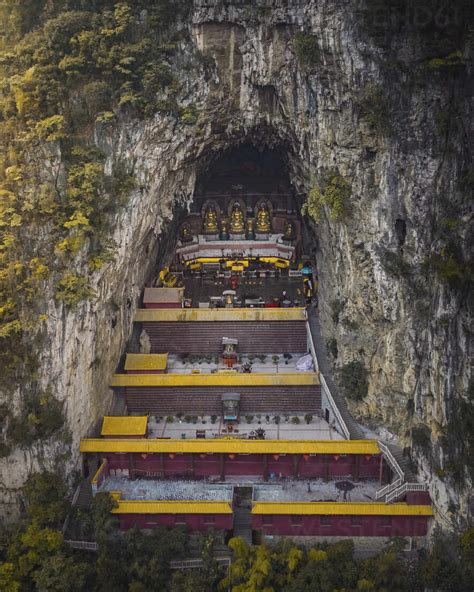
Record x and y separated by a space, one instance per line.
218 379
237 446
146 361
219 314
124 425
171 507
342 508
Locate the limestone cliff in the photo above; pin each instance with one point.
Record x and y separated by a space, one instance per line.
370 107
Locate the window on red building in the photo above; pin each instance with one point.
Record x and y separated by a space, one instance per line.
180 519
296 519
209 518
325 520
267 519
386 521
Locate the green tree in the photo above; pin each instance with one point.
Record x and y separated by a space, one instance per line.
46 499
60 573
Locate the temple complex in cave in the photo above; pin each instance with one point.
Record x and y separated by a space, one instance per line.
222 416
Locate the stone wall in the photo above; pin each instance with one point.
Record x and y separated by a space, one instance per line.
244 79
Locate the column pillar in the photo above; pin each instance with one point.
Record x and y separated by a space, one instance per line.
193 465
356 467
222 466
381 469
131 465
162 464
327 461
296 465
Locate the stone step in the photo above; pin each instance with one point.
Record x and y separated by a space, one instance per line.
355 431
85 497
403 462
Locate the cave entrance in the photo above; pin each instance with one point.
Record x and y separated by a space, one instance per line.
242 241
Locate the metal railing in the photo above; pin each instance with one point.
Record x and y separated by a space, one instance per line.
392 461
73 503
396 493
86 545
324 386
388 488
197 563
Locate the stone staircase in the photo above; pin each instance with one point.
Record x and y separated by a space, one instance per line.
83 497
242 516
354 429
403 463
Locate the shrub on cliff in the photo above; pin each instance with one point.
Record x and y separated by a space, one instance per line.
354 380
333 193
307 50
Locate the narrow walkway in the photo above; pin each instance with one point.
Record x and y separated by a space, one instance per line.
242 516
403 463
319 345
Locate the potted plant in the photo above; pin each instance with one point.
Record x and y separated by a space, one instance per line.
295 420
213 418
308 418
170 419
275 359
179 417
249 418
188 418
259 418
276 419
194 418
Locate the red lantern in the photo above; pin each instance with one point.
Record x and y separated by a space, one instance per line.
276 456
306 456
232 456
368 456
336 457
202 456
144 455
171 455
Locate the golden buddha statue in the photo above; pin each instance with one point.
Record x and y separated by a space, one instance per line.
210 221
237 220
185 233
263 219
290 233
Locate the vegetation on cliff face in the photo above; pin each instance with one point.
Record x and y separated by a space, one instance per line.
66 67
333 192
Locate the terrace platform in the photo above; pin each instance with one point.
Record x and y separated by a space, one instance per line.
200 290
316 490
155 489
318 429
278 363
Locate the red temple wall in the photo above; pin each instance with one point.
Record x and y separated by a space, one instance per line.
317 466
342 525
193 522
418 498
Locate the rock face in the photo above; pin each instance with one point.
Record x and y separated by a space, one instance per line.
374 115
